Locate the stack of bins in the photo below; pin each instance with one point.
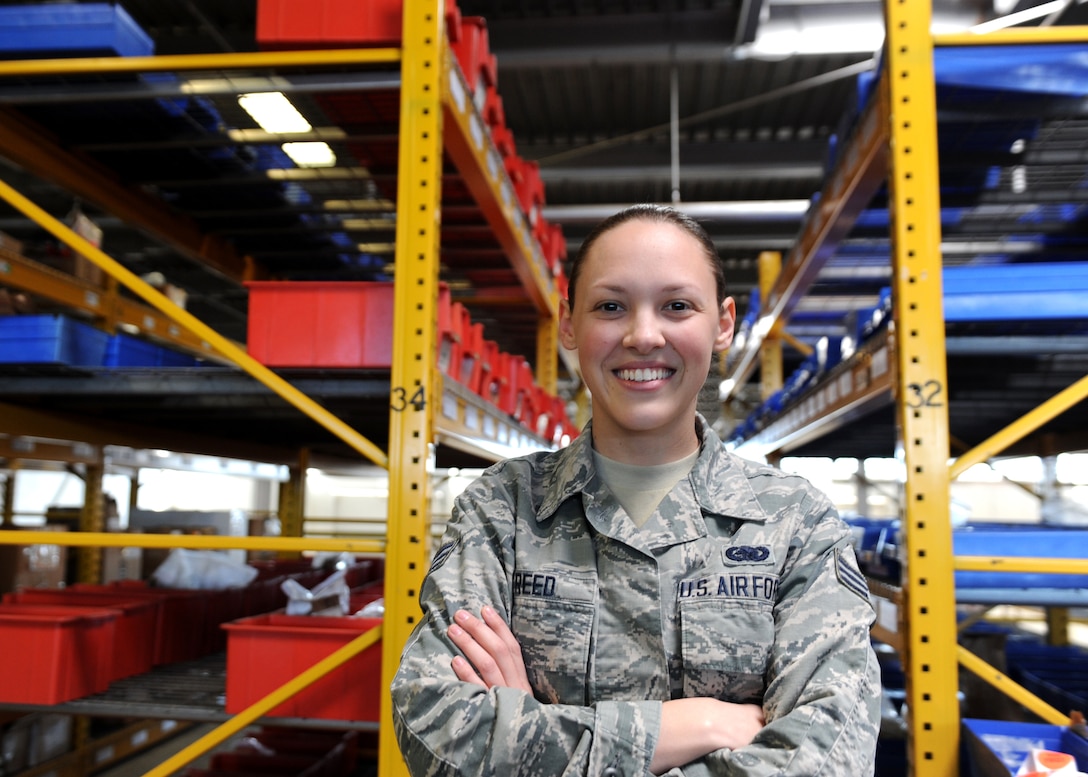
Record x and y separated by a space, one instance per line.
181 617
134 643
54 654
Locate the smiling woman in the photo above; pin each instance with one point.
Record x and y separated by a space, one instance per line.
642 600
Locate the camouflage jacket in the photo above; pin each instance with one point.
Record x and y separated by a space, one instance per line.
742 586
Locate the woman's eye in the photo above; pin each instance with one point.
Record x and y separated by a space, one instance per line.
678 306
608 307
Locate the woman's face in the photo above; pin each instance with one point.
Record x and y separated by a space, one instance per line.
646 324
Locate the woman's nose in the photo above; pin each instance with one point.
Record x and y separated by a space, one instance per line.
644 333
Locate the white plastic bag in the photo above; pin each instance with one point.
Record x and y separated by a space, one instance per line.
202 569
329 597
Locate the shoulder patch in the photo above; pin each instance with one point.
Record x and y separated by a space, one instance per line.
849 574
442 554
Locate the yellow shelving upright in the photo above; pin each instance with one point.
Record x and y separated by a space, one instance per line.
927 618
413 375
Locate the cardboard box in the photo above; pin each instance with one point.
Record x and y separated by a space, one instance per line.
121 564
33 566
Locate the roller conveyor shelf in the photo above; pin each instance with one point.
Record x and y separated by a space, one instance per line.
188 690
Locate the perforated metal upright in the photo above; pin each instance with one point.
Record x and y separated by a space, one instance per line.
413 376
928 614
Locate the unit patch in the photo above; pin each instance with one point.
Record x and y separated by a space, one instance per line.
747 554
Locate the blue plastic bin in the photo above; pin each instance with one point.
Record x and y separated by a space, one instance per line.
51 339
125 351
996 748
71 29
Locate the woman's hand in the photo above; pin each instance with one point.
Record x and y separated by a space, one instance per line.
492 651
692 728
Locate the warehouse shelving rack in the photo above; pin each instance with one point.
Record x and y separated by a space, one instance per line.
436 123
895 141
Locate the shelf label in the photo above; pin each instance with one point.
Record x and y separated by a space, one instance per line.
472 417
489 427
140 737
449 406
103 754
879 363
457 91
476 131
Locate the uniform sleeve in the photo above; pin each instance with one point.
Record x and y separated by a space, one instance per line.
446 727
823 685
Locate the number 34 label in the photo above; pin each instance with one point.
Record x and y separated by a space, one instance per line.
401 400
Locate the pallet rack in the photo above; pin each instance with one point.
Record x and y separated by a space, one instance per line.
895 141
436 124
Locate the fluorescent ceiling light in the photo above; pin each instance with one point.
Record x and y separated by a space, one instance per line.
1027 15
273 112
310 154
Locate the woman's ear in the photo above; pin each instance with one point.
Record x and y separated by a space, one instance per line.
726 321
566 326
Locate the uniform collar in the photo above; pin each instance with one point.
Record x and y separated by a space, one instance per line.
719 479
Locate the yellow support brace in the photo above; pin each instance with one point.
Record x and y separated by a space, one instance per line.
183 318
262 707
1014 691
414 372
1023 426
929 609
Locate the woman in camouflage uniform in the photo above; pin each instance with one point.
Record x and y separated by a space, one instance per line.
642 601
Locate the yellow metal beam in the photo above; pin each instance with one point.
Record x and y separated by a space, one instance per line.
803 348
188 62
1001 440
183 318
191 541
928 617
258 709
1055 566
414 373
1015 36
1013 690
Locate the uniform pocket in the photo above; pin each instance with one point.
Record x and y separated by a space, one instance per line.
725 646
555 636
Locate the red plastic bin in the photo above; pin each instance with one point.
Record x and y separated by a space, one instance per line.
134 637
182 617
473 52
322 323
266 651
54 654
336 23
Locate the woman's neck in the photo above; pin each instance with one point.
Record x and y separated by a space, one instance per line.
645 450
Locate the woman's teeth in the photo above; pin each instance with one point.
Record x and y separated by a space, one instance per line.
643 375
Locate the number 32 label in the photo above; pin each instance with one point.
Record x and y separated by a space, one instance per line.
926 394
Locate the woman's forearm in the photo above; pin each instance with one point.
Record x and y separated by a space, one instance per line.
692 728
